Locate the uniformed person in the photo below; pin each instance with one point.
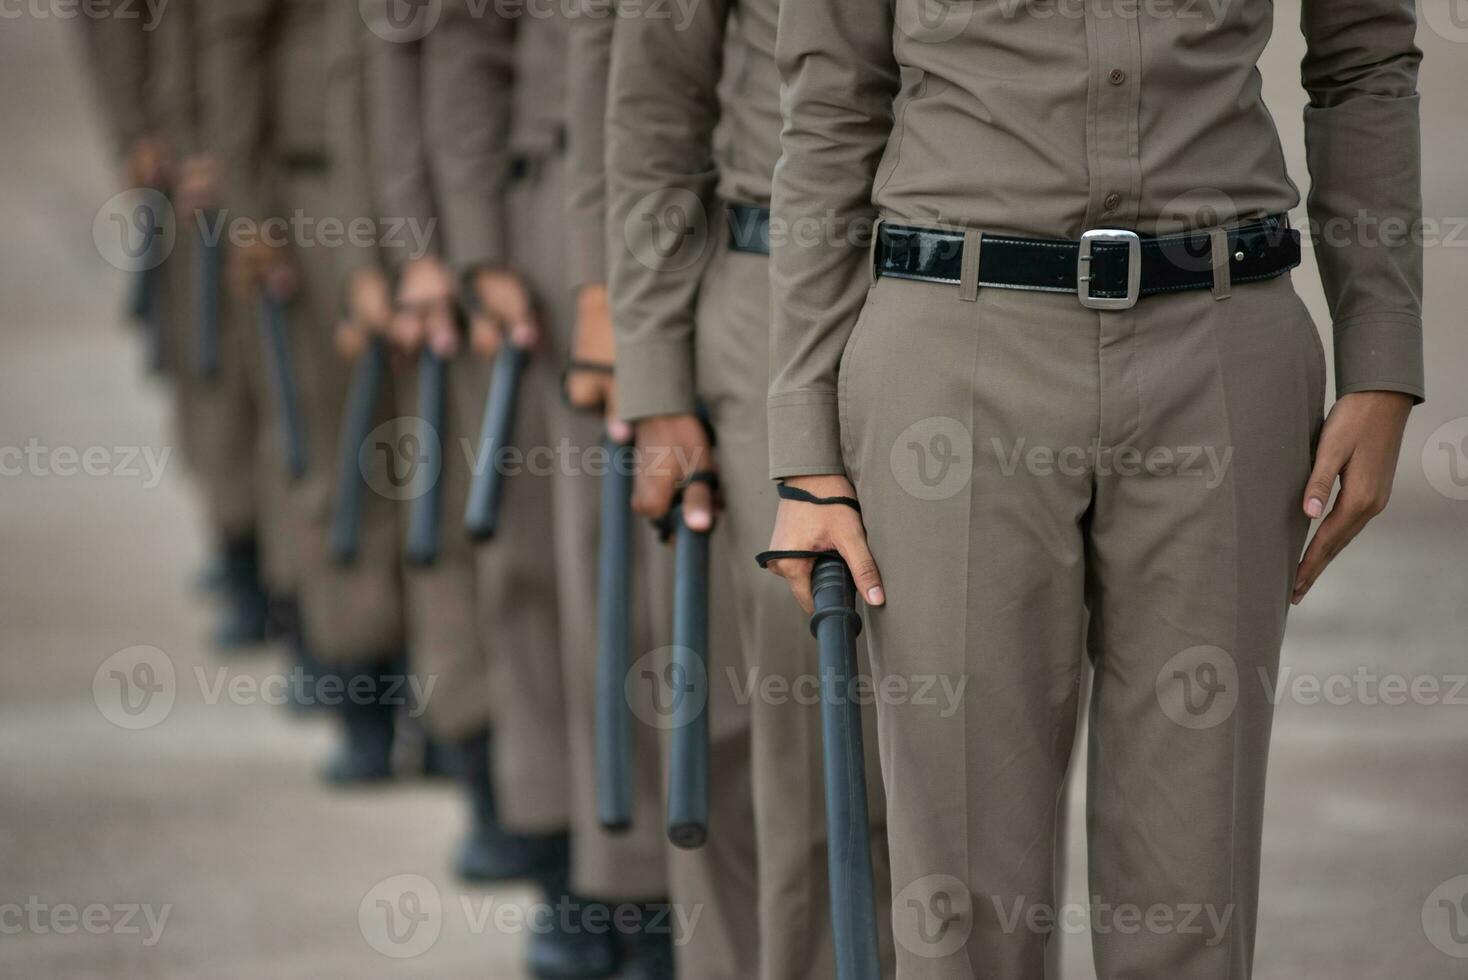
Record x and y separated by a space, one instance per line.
148 74
693 138
486 87
1014 410
720 878
267 71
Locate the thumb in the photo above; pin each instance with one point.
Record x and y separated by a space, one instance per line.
698 507
853 548
1329 461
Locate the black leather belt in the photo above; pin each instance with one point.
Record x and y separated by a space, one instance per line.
749 228
305 160
1108 269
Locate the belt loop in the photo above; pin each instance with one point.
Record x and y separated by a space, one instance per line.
968 283
1218 247
876 244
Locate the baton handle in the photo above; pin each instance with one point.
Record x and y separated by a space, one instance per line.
614 722
276 337
688 758
207 273
424 510
346 517
481 517
853 895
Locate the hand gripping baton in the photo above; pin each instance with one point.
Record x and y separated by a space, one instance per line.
614 722
481 517
274 333
853 902
688 760
346 517
424 511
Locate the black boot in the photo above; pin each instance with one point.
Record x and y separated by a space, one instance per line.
244 605
488 852
368 721
647 952
562 947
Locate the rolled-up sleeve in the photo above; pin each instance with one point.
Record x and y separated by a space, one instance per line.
839 78
663 107
1363 144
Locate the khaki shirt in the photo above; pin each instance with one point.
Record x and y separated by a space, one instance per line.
1050 117
588 66
146 71
694 116
452 109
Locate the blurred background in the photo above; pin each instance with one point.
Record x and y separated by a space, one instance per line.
202 843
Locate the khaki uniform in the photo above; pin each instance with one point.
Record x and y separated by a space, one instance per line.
491 90
720 879
149 81
692 328
408 84
935 397
269 69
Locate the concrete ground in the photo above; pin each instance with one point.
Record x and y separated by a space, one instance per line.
202 844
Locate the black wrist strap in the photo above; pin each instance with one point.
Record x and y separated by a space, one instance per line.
788 492
586 367
764 558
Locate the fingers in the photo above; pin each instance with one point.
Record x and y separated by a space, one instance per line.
441 329
485 336
407 330
698 507
1353 510
797 572
586 390
652 492
618 428
851 542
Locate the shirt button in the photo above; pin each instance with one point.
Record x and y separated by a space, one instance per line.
1112 202
1117 76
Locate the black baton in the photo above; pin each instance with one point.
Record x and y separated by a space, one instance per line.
423 512
614 762
853 897
346 518
688 758
276 338
207 271
148 304
481 518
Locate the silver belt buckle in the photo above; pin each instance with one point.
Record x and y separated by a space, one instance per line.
1133 242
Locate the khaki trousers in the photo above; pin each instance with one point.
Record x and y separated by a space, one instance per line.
1021 460
538 582
215 419
780 662
448 637
352 615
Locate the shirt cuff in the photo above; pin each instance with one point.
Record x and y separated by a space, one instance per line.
655 378
1379 352
805 434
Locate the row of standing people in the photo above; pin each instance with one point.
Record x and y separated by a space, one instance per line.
533 177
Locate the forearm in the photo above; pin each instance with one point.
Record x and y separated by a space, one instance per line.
839 79
662 110
1363 145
